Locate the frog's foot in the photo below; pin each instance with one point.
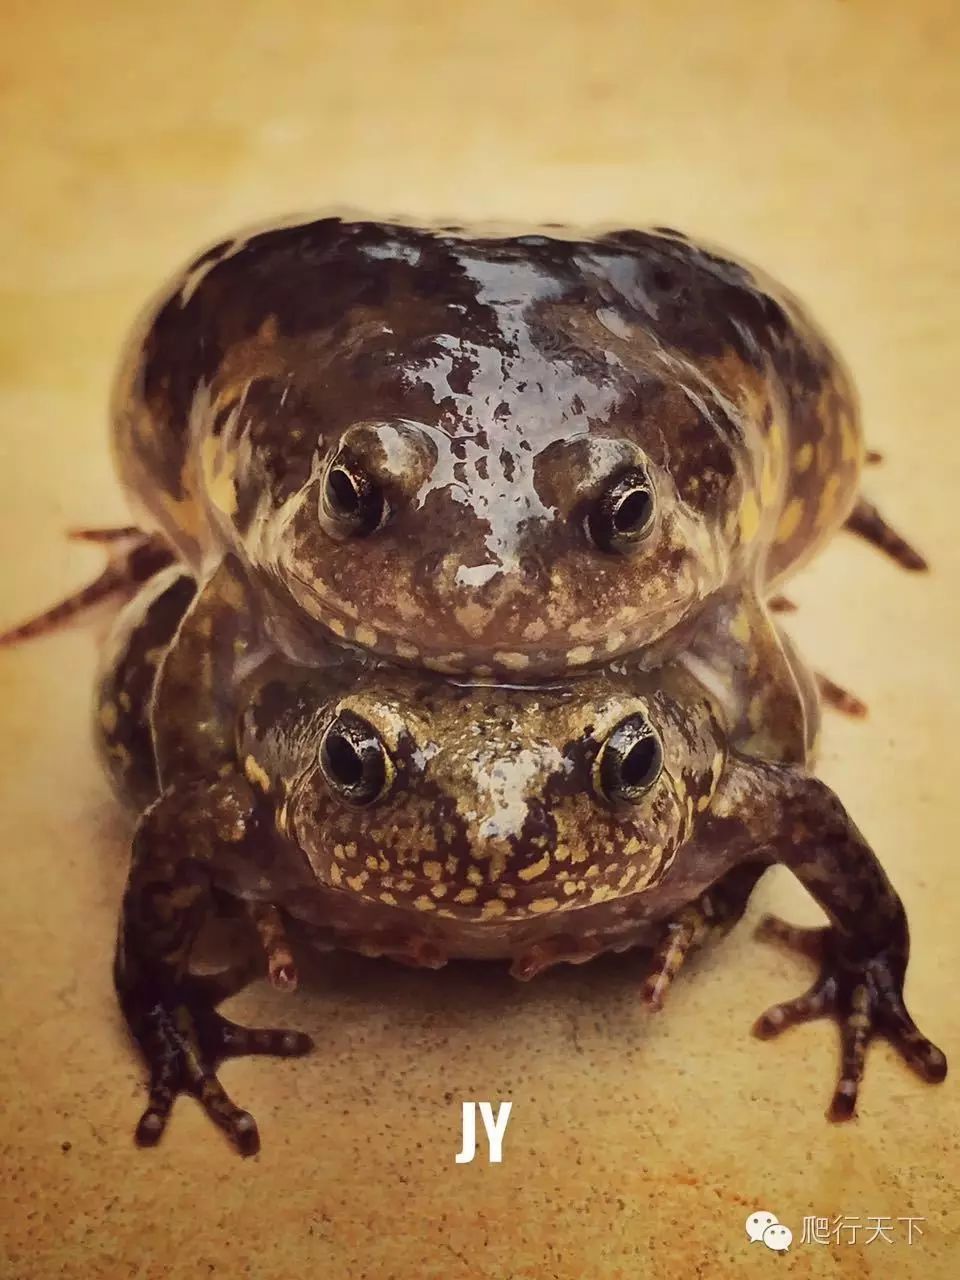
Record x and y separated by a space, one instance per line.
781 604
132 558
865 996
834 695
281 966
866 521
184 1039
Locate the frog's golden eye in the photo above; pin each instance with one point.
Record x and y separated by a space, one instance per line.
623 514
354 760
629 762
352 502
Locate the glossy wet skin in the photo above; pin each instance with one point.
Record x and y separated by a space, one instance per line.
517 455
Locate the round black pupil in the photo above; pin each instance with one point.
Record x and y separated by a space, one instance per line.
344 760
631 511
636 765
344 493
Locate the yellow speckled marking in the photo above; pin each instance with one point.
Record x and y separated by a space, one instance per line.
466 896
740 626
108 717
849 442
432 870
790 520
389 899
581 654
357 882
493 908
336 874
543 905
475 875
512 661
749 518
406 650
703 803
535 869
337 627
423 903
256 774
366 636
803 458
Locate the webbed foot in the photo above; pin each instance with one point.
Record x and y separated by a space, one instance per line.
184 1040
864 995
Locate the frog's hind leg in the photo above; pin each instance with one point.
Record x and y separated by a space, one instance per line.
709 918
867 522
834 695
132 558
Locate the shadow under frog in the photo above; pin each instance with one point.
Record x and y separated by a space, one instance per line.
402 815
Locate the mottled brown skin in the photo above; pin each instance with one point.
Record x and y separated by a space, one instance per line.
417 441
401 815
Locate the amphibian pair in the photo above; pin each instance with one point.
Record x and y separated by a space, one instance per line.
577 464
423 819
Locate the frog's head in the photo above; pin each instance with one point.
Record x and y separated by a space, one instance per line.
492 803
517 456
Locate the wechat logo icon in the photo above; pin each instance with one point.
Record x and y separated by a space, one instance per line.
765 1227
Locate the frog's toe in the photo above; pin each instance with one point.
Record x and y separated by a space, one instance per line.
815 1003
864 995
912 1045
795 937
678 940
183 1044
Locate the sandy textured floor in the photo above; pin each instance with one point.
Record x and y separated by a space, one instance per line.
818 138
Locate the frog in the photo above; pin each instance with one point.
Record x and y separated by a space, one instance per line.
486 454
422 818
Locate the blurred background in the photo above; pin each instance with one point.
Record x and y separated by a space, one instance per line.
817 138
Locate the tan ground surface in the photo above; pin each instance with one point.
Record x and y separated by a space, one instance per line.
818 138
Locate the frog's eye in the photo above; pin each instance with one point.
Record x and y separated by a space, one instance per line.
352 502
629 762
623 514
354 761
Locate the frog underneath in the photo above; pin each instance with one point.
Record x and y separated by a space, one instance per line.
401 815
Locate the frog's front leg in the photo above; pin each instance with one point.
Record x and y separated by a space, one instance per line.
766 692
708 918
194 832
863 952
194 706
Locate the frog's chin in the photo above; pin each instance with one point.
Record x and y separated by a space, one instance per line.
489 903
518 662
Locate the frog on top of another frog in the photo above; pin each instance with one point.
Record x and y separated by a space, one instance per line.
400 813
503 456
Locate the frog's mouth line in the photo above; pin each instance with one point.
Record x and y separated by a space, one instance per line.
374 639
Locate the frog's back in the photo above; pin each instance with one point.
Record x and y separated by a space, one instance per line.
336 314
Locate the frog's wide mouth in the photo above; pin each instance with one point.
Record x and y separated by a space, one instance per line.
486 661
